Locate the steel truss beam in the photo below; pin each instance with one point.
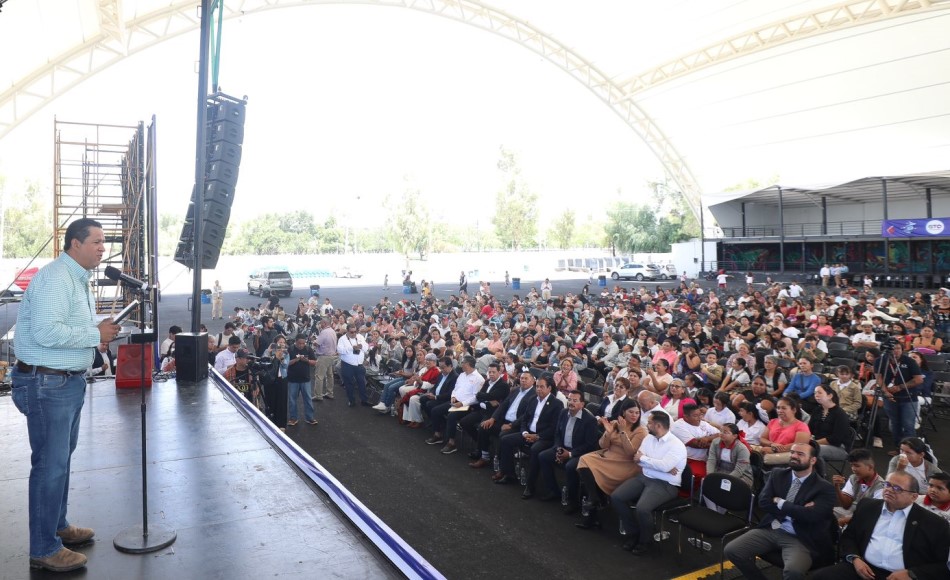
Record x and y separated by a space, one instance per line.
118 39
837 17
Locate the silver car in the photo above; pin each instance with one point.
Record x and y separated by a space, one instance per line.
266 280
632 271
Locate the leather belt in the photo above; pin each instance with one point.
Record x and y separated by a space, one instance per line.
25 368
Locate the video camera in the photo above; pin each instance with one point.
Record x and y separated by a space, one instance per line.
887 344
260 363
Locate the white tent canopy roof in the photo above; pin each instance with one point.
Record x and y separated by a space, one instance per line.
720 91
858 191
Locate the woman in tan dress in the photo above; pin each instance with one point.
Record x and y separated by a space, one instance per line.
601 472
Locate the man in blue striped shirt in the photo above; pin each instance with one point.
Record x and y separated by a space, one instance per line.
56 332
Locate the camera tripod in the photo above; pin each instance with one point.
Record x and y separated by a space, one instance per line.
887 358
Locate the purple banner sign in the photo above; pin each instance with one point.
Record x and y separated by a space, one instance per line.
915 228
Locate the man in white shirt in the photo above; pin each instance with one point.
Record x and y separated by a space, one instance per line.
352 348
649 315
662 457
696 434
648 401
892 538
605 354
873 311
464 394
632 370
169 342
825 274
794 290
225 358
866 337
546 290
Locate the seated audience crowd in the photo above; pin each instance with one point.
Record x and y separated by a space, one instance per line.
623 396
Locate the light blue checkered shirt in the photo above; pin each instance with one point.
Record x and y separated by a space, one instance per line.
56 322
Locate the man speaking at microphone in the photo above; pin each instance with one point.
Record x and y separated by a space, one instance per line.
56 332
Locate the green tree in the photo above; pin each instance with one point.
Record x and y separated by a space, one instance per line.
562 231
330 237
299 231
672 205
516 206
169 232
408 227
27 221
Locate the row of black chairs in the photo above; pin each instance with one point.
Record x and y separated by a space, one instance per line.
911 281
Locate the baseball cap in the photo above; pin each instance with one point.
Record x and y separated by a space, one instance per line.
241 353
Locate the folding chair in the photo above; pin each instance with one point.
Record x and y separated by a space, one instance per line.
727 492
849 445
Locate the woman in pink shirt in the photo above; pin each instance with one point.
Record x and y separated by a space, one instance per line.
565 379
783 432
822 327
666 353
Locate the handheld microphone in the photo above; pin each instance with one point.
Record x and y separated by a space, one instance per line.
113 273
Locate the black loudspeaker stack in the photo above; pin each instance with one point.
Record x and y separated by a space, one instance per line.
225 136
191 357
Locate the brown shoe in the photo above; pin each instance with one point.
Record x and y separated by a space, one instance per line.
478 464
414 425
62 561
497 475
74 535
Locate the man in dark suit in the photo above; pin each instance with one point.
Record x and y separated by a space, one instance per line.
103 362
494 390
576 435
500 422
536 427
893 538
442 391
798 505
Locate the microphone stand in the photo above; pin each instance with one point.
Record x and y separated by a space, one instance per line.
142 539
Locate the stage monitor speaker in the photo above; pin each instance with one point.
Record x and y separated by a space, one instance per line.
128 365
191 357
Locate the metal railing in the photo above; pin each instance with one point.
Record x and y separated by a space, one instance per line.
846 228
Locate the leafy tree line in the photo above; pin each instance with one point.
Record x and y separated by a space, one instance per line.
411 228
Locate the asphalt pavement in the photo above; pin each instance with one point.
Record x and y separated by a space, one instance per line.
465 525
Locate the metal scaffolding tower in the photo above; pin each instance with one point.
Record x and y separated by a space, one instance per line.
104 172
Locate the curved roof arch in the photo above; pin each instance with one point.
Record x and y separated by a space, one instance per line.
714 34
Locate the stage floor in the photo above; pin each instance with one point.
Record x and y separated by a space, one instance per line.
240 510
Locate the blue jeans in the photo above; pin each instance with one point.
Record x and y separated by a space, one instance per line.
52 405
354 376
390 391
294 391
902 417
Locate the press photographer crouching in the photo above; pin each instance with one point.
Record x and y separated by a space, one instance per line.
897 376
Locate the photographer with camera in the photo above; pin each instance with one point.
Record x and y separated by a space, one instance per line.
352 348
242 376
265 335
272 374
302 358
898 375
